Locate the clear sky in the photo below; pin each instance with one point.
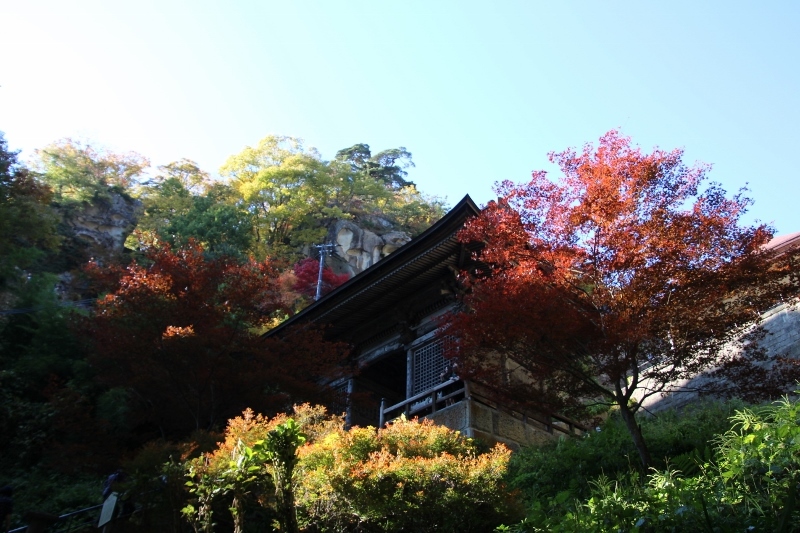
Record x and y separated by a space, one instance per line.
477 91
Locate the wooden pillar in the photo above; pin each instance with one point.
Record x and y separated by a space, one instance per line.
470 415
348 419
409 373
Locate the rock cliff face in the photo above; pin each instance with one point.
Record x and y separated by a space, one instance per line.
94 231
357 248
97 231
102 226
91 231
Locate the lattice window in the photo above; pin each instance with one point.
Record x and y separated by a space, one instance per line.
429 364
339 401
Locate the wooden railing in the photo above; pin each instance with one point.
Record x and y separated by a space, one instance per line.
430 400
559 424
449 392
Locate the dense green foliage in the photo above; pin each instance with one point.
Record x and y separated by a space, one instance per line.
27 222
79 173
293 195
182 203
747 481
51 445
568 466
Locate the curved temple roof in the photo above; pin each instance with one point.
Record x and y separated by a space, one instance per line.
784 243
389 281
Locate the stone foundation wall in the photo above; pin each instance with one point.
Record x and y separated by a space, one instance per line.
477 420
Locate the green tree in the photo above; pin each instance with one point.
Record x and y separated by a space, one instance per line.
293 195
387 166
183 204
27 223
412 211
397 200
78 172
215 221
170 193
192 177
258 456
287 189
279 449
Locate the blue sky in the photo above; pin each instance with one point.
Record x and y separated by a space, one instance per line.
477 91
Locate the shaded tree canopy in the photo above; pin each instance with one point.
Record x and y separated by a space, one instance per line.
181 335
27 223
182 203
627 274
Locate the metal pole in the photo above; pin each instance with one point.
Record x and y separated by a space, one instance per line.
319 277
324 249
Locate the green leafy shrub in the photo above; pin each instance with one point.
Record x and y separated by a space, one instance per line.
44 490
570 464
750 484
247 482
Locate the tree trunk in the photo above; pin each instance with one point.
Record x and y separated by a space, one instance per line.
238 514
636 434
284 492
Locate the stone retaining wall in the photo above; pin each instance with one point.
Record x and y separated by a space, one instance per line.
782 323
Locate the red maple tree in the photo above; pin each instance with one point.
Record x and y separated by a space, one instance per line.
181 333
614 282
307 276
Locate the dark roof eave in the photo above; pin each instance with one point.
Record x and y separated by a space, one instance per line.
418 247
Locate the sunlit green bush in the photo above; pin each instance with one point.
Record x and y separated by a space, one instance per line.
570 464
749 483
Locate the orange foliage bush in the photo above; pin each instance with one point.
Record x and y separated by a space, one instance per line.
409 476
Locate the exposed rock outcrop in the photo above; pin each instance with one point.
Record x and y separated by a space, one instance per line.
92 231
357 248
102 226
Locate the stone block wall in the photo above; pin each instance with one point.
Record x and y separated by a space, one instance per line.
782 323
477 420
